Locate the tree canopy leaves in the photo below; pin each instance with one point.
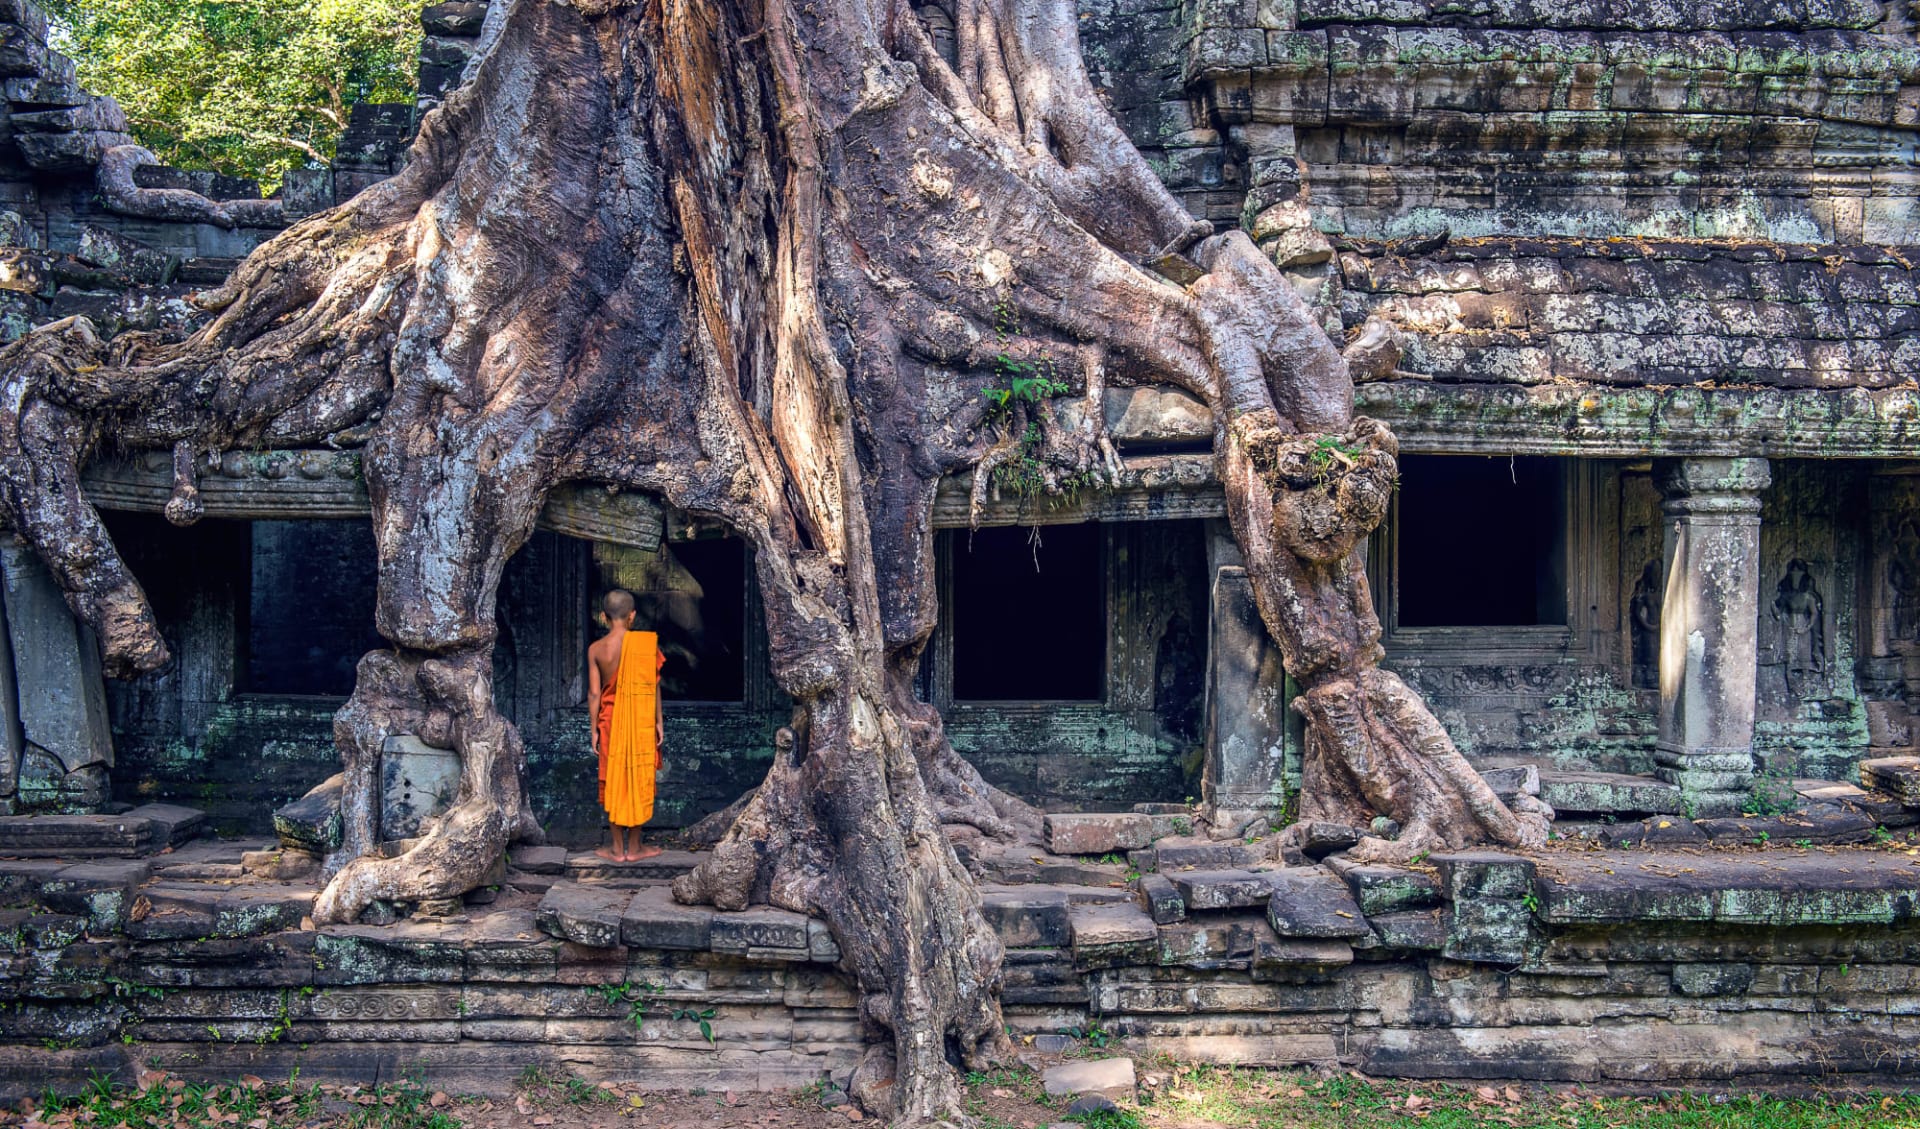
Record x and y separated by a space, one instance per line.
246 87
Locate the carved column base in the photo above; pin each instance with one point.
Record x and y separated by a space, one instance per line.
1714 781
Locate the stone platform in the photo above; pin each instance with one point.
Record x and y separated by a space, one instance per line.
1645 966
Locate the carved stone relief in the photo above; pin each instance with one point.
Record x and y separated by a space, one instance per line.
1644 623
1801 614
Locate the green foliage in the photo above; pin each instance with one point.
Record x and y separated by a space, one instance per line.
1770 795
1025 382
250 88
1093 1035
704 1018
635 996
1261 1099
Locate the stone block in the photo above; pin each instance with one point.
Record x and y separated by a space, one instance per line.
417 782
541 860
1217 941
1820 823
1028 917
1111 1078
114 252
281 864
1097 833
312 822
1106 935
1246 695
1794 888
101 892
1489 931
306 191
69 152
1385 889
1715 979
1290 959
1169 856
1899 777
1159 898
456 19
653 920
1155 416
256 911
1320 839
173 824
1610 793
78 836
1222 889
1312 902
1419 929
821 947
63 704
1483 874
761 932
583 914
1828 791
1515 780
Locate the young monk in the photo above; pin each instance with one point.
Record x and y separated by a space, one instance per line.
623 680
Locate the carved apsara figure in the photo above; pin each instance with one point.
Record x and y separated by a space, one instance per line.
1645 613
1903 577
1799 609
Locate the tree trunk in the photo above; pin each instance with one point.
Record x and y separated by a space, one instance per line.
784 266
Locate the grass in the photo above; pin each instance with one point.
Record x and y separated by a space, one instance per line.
171 1103
1260 1099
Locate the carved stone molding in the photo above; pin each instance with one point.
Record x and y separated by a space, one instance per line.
1637 422
308 484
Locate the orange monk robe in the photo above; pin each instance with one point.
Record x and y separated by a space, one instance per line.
629 711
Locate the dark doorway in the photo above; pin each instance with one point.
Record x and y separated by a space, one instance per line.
1029 614
310 602
1482 541
694 594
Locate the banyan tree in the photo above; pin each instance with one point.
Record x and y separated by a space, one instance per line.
761 259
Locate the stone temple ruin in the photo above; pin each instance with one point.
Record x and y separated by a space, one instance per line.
1655 558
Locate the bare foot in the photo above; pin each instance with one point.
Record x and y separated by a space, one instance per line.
608 854
646 852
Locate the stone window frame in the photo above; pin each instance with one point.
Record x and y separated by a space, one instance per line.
1591 518
936 677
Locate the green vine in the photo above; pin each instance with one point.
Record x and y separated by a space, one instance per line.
635 996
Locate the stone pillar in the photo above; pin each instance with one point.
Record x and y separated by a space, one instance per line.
1709 623
1246 739
67 741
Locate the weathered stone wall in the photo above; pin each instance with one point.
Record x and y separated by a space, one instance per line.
1627 967
1784 122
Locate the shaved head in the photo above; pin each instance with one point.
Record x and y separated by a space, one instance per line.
618 604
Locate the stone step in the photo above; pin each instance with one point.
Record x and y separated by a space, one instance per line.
141 832
1098 833
1899 777
1194 853
605 917
1579 793
586 866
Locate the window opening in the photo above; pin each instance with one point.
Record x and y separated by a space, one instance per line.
1029 614
310 605
1481 541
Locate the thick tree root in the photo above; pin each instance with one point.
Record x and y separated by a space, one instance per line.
1373 749
447 702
